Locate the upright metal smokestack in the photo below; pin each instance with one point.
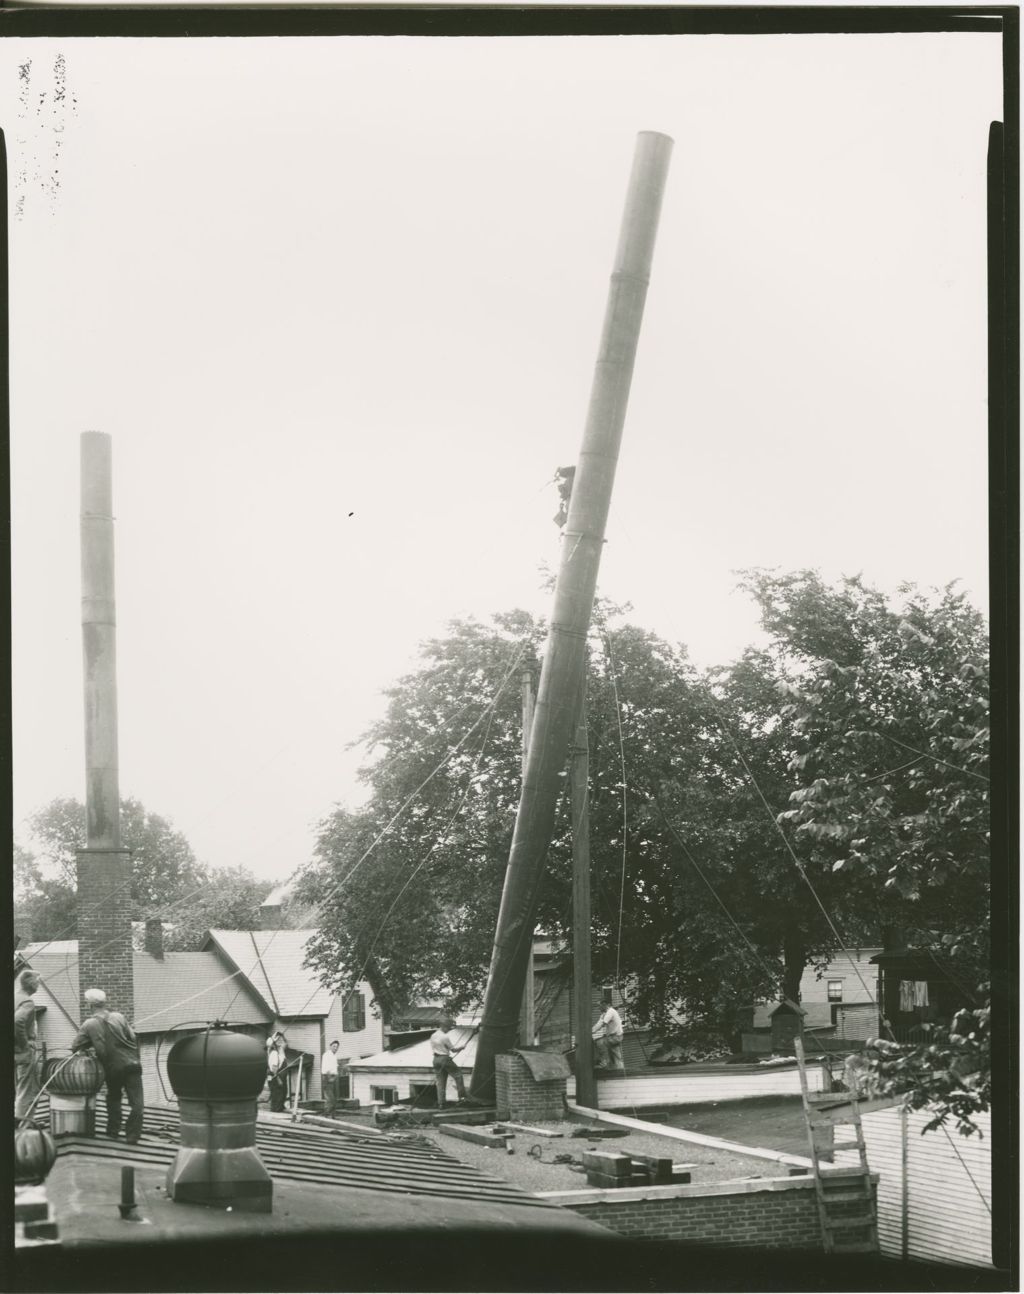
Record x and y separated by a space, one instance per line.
104 901
561 675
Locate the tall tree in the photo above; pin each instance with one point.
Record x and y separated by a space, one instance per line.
47 902
410 884
889 710
230 900
717 871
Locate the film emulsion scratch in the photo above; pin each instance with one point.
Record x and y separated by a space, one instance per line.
43 116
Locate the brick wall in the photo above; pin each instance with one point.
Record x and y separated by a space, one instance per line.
778 1213
519 1096
105 927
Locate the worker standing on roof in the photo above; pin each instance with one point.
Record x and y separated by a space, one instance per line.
26 1063
329 1077
112 1038
608 1035
277 1063
443 1046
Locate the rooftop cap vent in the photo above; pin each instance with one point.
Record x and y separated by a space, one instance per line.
217 1076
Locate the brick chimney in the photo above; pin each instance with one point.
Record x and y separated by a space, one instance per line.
153 941
22 931
270 916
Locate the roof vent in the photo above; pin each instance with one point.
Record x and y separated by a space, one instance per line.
217 1076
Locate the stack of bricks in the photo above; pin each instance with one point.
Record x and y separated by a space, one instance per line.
519 1096
612 1172
105 927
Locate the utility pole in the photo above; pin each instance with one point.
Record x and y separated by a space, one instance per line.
586 1081
555 711
528 1025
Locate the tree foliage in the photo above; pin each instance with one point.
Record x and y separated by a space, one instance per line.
47 902
950 1075
888 708
163 865
743 822
167 880
229 900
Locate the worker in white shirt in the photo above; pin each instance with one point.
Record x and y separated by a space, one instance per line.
443 1048
277 1063
329 1077
608 1035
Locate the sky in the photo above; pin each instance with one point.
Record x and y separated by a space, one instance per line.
337 304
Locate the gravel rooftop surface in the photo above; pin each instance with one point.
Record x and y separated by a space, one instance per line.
531 1173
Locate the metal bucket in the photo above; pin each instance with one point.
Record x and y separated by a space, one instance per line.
72 1115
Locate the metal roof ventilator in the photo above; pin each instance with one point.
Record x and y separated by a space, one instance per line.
217 1076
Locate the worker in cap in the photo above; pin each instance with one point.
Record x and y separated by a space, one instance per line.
111 1038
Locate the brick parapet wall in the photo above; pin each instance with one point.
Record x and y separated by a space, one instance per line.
774 1214
105 927
520 1096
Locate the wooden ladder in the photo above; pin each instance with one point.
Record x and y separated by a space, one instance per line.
846 1205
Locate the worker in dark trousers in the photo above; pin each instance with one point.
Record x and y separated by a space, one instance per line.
444 1049
111 1037
329 1077
277 1063
26 1061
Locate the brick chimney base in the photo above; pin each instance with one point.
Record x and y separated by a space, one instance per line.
519 1096
105 927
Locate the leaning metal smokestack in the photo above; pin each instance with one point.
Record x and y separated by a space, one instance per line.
104 901
554 715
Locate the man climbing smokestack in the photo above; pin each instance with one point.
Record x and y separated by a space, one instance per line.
112 1038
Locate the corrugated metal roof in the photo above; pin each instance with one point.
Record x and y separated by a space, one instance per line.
400 1162
182 986
273 962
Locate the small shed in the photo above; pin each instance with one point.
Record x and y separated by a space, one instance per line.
914 989
787 1024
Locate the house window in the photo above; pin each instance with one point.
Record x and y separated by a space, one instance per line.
389 1095
423 1093
835 990
353 1013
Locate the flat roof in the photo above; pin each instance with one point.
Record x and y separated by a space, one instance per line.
385 1164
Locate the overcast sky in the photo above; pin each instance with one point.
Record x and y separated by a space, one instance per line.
337 302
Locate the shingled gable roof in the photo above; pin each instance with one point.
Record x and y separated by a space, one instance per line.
271 961
182 987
